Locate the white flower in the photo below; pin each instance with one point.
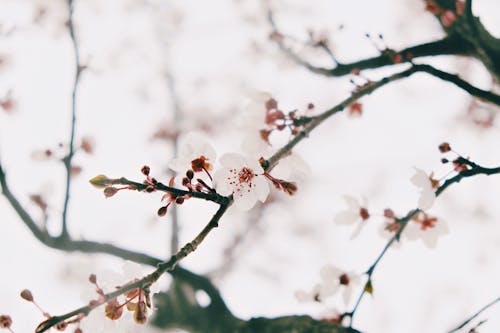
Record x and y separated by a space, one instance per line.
422 226
333 280
346 281
426 228
355 213
427 192
243 179
194 154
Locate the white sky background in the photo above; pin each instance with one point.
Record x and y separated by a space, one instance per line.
218 51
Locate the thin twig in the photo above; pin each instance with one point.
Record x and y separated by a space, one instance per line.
484 308
68 158
313 122
403 222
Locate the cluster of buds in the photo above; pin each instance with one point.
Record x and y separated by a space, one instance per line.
103 182
61 326
278 120
199 186
459 163
138 301
446 16
283 185
171 198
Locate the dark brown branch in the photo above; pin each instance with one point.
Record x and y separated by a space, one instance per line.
456 80
214 197
450 45
446 46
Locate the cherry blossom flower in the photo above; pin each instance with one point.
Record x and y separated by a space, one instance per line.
356 213
427 187
426 228
333 280
243 178
194 154
346 281
423 226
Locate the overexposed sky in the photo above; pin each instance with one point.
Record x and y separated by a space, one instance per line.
219 52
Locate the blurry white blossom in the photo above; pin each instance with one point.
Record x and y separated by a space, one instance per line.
333 281
356 213
195 153
427 228
427 191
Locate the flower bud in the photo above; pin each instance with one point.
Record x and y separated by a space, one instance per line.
140 313
444 147
5 321
100 181
110 191
145 170
27 295
162 211
113 310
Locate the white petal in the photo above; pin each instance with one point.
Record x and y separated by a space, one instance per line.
244 200
327 289
352 202
221 182
254 145
432 235
329 273
359 227
232 160
346 217
300 168
261 188
303 296
346 294
282 170
421 179
179 164
254 164
426 199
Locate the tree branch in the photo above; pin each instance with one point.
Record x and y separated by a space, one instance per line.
146 281
450 45
474 170
68 158
484 308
